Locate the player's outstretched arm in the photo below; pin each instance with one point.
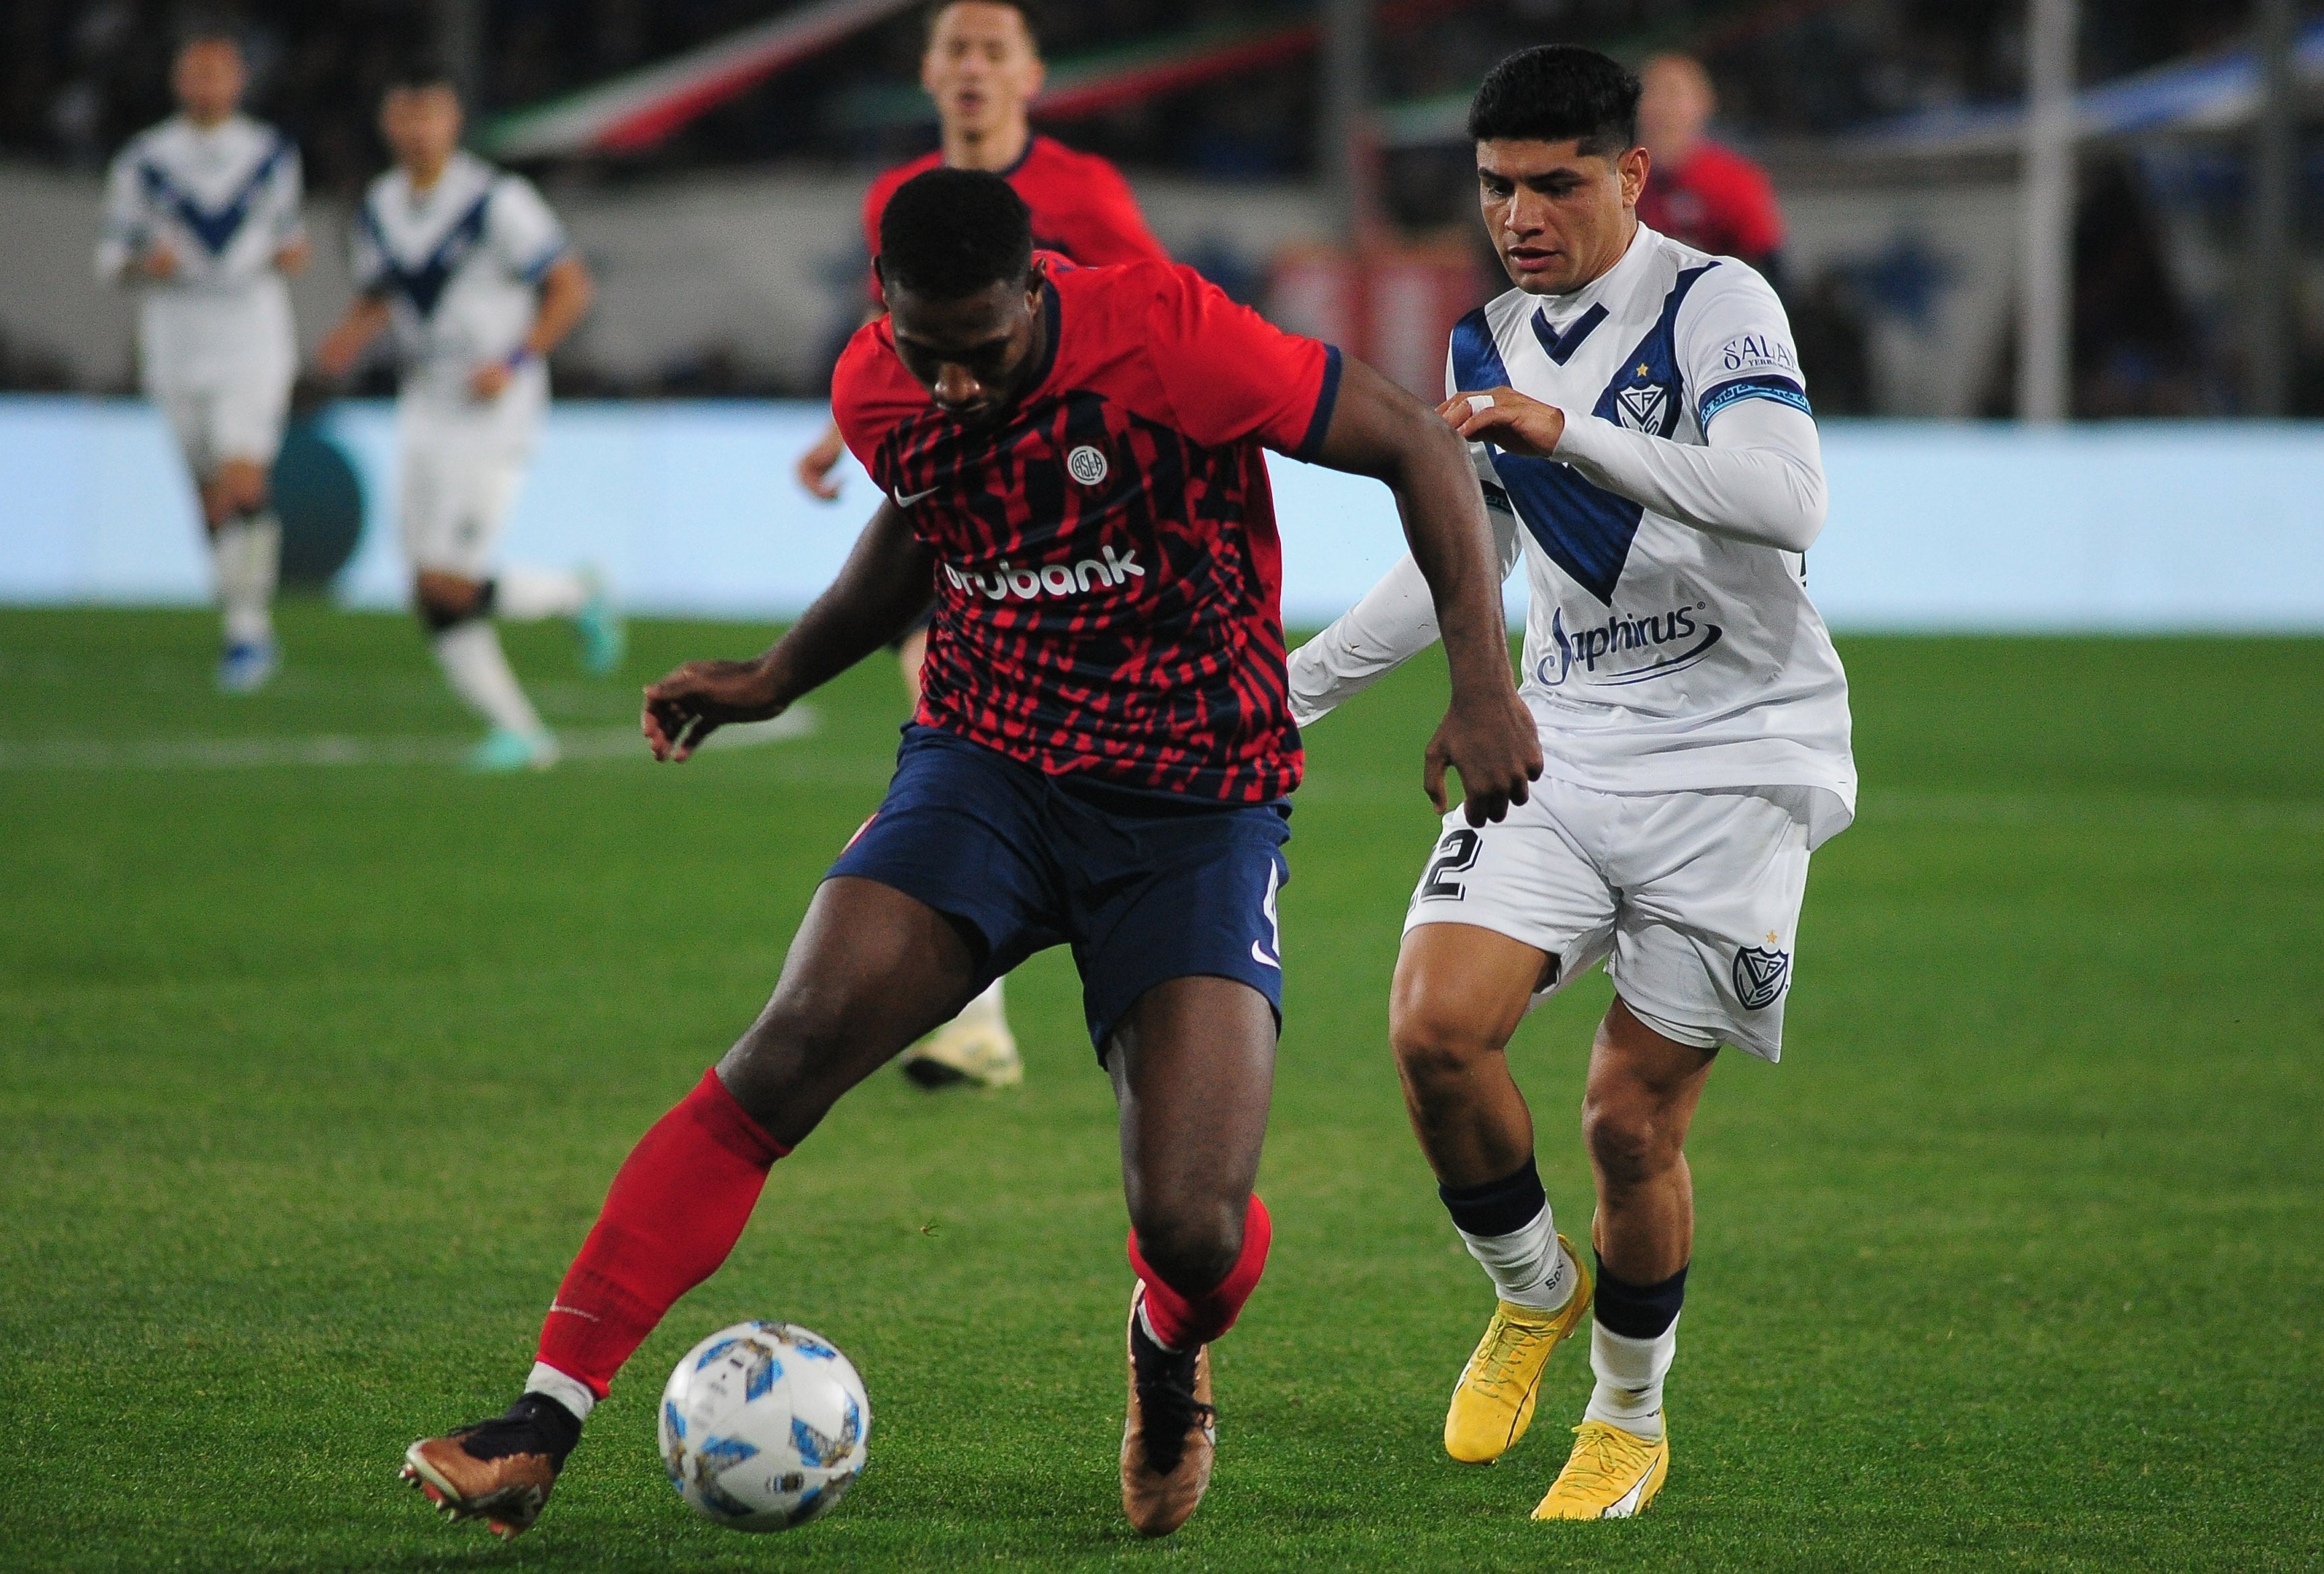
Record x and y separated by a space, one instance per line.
1395 621
886 584
1377 429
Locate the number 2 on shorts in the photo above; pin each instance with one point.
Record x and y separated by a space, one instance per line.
1456 852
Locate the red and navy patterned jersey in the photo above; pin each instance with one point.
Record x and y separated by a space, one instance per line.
1718 201
1108 575
1082 208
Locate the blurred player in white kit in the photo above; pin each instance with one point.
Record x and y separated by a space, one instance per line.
201 214
471 270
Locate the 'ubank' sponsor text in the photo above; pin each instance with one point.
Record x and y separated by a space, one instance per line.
1006 580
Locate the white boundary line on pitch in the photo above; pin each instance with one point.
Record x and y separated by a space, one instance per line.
261 753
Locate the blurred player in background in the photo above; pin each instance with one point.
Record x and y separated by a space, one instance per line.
201 213
983 66
472 271
1699 193
1102 759
1640 424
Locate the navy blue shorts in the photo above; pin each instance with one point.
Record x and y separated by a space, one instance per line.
1145 886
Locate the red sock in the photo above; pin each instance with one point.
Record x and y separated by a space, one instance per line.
677 1208
1183 1322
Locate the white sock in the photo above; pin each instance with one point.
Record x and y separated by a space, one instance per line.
987 1010
1630 1372
244 553
570 1392
1147 1324
1528 1265
524 595
479 673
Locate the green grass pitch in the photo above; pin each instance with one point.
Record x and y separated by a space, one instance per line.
315 1057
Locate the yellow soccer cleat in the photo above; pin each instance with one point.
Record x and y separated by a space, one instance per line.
1492 1404
1611 1474
980 1052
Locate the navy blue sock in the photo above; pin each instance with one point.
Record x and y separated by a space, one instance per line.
1637 1310
1498 1207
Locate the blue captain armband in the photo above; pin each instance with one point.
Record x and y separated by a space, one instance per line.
1782 389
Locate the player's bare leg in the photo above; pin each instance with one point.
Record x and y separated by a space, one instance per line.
1460 992
1642 1095
1194 1069
870 971
245 551
1642 1090
458 613
975 1047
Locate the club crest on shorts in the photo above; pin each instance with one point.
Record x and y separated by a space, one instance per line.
1086 465
1760 974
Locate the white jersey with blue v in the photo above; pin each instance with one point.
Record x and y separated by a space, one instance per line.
1670 642
460 264
222 200
1692 713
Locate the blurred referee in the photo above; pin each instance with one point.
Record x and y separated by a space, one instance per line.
983 66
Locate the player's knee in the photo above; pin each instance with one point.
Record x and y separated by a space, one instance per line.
790 1057
242 489
1192 1242
1438 1043
441 602
1627 1141
801 1027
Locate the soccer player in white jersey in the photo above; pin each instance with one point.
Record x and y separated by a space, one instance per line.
201 214
1639 421
471 268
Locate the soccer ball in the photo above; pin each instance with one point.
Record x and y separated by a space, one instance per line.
763 1426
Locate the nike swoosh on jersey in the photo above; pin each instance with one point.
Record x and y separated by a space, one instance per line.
1259 956
903 502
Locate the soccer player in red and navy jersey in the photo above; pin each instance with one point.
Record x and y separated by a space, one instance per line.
1101 759
982 66
1709 196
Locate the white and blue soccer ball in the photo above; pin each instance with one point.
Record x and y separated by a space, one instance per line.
763 1426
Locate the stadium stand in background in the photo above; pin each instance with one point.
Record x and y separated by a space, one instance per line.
1899 264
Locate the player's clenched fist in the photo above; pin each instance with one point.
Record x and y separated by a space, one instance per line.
1507 419
701 696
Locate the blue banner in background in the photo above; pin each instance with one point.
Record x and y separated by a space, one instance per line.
691 509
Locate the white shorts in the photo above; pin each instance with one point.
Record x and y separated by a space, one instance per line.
1691 899
460 478
242 419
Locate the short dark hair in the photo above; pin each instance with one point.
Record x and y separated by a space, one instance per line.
1555 93
947 234
933 11
419 71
